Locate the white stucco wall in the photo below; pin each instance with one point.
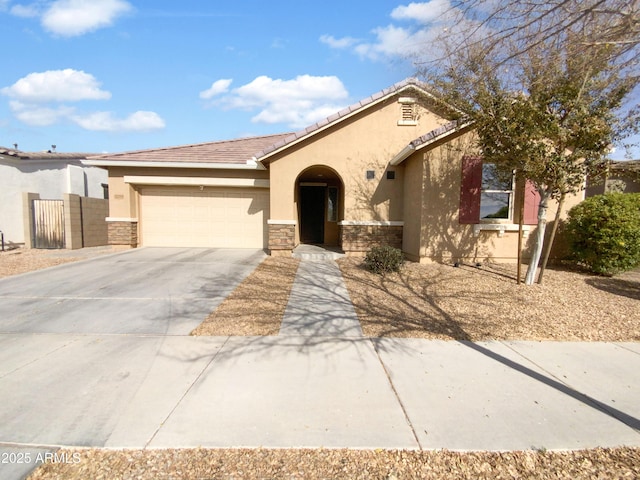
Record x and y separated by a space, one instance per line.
50 179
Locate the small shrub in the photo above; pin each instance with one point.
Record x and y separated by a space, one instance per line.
383 260
604 232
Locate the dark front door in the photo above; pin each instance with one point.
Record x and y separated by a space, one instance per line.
312 214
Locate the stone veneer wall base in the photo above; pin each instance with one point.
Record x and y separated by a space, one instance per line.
281 239
123 233
358 239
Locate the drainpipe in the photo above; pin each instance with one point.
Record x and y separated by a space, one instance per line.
2 238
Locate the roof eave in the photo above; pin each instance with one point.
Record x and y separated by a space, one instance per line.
405 153
414 146
22 160
250 165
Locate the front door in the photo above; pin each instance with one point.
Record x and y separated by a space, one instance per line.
312 200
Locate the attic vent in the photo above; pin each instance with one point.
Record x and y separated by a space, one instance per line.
408 111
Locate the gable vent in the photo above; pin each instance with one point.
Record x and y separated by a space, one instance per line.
408 111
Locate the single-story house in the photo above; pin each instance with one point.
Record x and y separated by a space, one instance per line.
391 169
621 176
45 175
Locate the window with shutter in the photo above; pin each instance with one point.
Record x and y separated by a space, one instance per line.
486 196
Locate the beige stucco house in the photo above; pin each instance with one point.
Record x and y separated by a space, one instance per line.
621 176
391 169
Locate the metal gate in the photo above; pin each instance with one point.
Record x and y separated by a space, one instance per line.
48 223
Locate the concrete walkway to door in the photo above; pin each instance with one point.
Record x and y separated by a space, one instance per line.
319 303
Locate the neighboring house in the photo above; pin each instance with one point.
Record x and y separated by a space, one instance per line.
47 174
391 169
622 176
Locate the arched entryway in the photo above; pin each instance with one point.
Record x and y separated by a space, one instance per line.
320 204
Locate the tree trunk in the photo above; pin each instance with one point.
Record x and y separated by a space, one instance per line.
537 248
552 237
521 231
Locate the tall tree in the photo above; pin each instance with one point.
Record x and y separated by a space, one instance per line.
546 90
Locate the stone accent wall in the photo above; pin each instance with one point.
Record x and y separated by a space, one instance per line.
123 233
360 238
281 238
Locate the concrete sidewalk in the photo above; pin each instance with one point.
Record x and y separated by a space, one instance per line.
154 391
298 391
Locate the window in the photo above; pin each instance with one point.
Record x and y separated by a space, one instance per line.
496 196
487 198
332 204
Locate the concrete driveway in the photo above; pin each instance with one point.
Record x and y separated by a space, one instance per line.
166 291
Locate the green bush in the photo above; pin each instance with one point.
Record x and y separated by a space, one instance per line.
383 260
604 232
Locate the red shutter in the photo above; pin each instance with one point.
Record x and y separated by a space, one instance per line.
470 190
531 204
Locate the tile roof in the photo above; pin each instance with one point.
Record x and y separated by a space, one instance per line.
626 165
46 155
8 151
427 139
342 114
435 134
243 150
237 151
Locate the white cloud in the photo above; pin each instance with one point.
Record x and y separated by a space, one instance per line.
26 11
425 12
297 102
267 90
296 114
41 99
56 86
344 42
217 87
38 115
426 22
139 121
70 18
395 42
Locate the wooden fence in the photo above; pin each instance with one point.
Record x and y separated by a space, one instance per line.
48 223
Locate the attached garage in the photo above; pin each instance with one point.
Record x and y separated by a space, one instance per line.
188 216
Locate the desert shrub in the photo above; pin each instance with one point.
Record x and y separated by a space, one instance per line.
383 259
604 232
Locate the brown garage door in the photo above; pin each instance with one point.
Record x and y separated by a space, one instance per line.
213 217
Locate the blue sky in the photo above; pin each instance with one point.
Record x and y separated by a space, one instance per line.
117 75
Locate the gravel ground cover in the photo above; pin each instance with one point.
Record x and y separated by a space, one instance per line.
257 305
469 303
192 464
22 260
